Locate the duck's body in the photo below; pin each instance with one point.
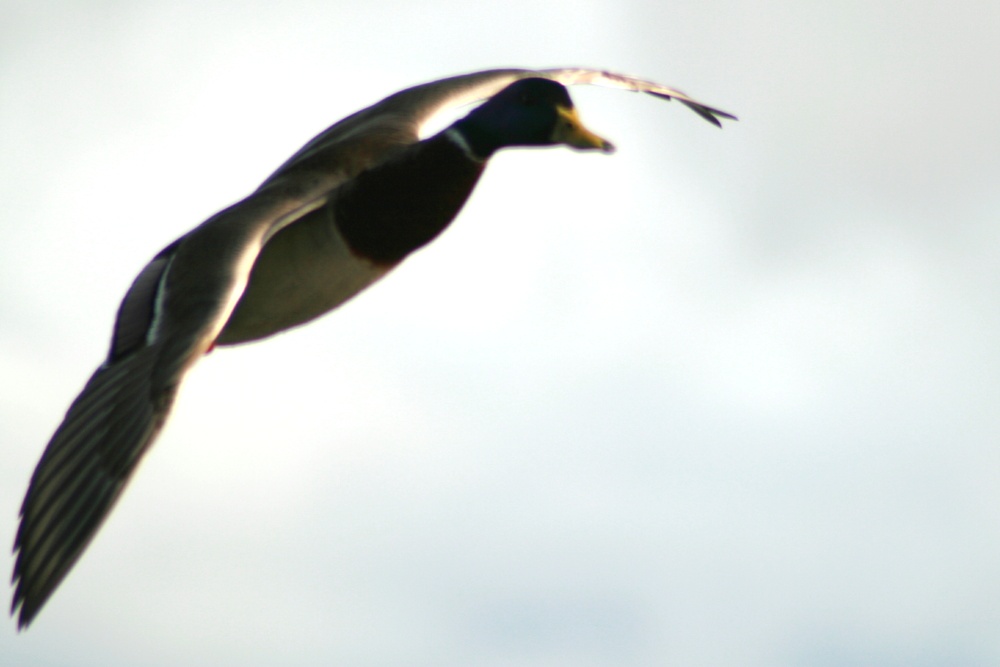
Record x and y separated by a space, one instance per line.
367 226
339 215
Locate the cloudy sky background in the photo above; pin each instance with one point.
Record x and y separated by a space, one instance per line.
724 398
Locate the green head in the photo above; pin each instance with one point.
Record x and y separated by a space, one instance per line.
529 112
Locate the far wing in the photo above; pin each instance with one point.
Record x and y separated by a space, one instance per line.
570 77
396 121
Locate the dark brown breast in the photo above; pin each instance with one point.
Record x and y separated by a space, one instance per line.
391 210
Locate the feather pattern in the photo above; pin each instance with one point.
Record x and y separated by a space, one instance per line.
83 473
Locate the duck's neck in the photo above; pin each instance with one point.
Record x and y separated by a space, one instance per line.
395 208
478 141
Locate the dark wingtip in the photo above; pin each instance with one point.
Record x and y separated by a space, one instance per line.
17 610
17 603
711 114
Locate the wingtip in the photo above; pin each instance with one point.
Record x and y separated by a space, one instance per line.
17 613
17 603
21 624
711 114
23 610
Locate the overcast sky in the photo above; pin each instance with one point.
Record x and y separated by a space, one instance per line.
723 398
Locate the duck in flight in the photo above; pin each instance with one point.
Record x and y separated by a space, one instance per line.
337 216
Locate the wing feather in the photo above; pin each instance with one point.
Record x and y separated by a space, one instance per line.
81 474
594 77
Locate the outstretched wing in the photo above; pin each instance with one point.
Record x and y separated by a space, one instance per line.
168 319
569 77
369 136
82 473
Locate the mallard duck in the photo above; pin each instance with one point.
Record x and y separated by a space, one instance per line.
336 217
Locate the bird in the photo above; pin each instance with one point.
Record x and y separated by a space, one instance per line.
337 216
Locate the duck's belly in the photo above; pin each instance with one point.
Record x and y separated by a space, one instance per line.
303 272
